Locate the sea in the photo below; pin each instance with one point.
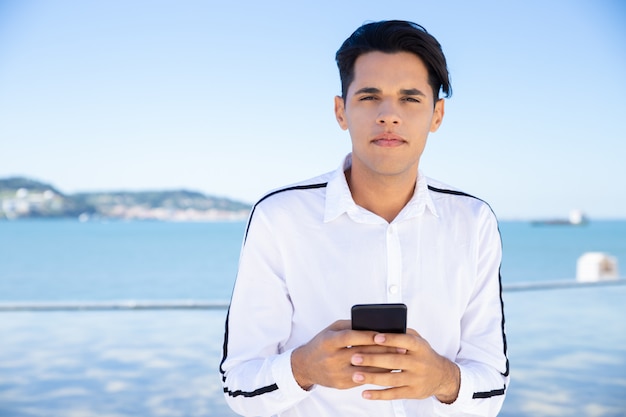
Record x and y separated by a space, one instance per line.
567 345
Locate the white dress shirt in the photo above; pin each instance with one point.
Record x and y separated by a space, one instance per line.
310 253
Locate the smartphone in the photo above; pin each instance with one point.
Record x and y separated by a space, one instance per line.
382 318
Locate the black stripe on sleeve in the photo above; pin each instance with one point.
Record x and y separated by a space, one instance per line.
489 394
504 342
297 187
273 387
453 192
254 393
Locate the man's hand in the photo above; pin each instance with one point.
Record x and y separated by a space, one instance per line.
420 372
326 359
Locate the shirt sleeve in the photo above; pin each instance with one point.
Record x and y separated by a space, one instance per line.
256 368
482 356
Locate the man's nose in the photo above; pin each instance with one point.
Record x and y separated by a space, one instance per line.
388 114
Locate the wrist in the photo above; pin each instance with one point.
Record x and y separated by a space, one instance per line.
299 369
448 390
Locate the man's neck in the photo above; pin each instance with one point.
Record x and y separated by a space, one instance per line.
384 196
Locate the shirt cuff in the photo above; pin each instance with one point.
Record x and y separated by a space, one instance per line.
283 375
463 400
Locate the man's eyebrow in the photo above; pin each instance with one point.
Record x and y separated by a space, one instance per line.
412 92
404 91
368 90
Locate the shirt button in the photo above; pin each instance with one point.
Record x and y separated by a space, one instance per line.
393 289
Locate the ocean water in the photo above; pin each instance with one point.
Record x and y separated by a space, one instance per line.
535 253
44 260
567 347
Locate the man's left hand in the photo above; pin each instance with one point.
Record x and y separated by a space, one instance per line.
418 371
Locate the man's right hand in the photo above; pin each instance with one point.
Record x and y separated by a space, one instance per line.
326 359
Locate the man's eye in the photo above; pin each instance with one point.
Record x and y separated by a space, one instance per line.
411 99
367 98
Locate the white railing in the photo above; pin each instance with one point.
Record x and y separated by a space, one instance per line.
222 305
114 305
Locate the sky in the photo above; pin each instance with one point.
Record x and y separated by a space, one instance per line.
235 98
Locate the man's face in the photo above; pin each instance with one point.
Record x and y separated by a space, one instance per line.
389 110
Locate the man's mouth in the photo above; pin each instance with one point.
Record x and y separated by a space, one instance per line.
388 140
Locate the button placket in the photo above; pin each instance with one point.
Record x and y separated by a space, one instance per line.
394 265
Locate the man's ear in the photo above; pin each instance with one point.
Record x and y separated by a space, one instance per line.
437 115
340 112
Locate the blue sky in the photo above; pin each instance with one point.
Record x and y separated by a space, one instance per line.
236 98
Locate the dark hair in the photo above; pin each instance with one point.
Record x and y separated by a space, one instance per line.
394 36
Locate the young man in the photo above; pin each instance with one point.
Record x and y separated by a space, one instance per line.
374 231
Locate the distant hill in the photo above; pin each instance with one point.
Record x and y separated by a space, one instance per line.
27 198
13 184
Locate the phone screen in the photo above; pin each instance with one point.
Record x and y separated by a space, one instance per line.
383 318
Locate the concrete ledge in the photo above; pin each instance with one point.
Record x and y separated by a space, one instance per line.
554 285
114 305
223 305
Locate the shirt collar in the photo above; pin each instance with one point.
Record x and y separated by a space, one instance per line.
339 199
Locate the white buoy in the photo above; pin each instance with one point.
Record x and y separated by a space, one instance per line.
596 266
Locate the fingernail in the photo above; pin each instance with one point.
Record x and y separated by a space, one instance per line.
367 395
379 338
357 359
358 378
